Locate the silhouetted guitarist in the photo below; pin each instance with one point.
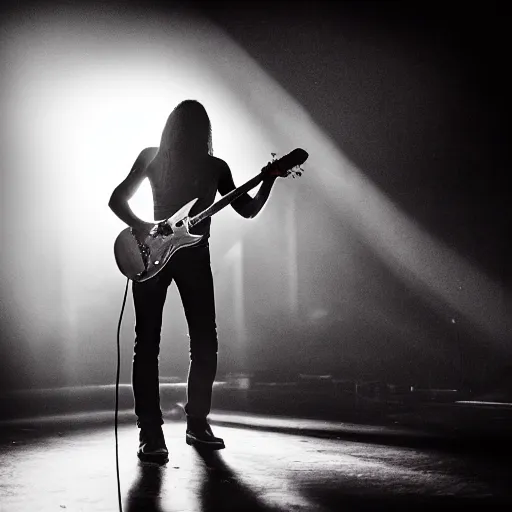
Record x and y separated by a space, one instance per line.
181 169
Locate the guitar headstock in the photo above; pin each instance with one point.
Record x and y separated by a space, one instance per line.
288 165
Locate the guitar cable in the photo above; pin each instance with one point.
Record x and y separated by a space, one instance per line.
118 371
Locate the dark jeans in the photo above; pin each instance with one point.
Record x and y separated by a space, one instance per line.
190 269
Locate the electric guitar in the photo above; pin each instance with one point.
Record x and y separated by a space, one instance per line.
142 260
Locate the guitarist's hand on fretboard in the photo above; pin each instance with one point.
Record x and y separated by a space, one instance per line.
271 171
285 166
272 175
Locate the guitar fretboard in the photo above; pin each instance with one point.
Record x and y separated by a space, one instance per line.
227 199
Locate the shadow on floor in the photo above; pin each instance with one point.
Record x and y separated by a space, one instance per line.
343 499
144 494
222 490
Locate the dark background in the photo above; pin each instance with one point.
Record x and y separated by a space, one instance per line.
415 95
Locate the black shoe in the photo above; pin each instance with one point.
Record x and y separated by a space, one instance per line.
152 446
200 434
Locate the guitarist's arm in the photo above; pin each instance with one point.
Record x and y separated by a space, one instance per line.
247 206
126 189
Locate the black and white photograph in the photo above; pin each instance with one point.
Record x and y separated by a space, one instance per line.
255 256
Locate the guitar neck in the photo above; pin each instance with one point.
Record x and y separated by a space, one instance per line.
227 199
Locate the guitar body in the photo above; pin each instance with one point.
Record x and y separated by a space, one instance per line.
140 262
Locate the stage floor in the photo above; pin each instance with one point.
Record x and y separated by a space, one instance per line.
56 466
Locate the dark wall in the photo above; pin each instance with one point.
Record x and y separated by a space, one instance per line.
414 95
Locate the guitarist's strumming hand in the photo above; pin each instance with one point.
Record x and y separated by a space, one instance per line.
142 230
